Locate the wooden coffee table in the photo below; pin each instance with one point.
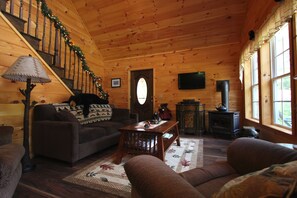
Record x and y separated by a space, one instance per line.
155 140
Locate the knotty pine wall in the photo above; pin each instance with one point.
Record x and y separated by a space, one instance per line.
12 46
218 62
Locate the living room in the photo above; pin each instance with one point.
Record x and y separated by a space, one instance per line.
169 38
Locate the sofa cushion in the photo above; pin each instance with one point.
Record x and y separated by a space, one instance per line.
278 180
10 158
110 126
87 134
209 179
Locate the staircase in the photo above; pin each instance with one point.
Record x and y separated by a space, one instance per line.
53 43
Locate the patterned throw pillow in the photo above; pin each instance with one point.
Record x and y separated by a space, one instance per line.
98 112
278 180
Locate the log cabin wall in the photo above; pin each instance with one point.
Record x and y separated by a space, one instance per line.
171 38
12 46
218 62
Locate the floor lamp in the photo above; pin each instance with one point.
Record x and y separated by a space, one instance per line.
27 69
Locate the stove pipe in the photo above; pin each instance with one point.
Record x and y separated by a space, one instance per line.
225 94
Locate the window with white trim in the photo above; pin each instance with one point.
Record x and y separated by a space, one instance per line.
280 79
255 86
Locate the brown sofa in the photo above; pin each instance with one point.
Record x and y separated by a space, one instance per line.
58 134
150 177
10 162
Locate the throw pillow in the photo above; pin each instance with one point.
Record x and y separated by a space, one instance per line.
279 180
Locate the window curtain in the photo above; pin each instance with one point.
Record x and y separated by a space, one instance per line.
279 16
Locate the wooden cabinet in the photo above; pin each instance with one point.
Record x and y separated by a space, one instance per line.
191 117
226 123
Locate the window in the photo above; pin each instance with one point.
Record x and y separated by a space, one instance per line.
281 86
255 86
141 91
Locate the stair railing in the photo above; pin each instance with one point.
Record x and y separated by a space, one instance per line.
66 59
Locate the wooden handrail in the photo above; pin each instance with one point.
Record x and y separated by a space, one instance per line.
68 57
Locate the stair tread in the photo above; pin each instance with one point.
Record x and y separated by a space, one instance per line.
7 13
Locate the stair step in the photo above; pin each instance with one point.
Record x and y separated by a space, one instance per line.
32 40
48 58
68 82
18 23
58 70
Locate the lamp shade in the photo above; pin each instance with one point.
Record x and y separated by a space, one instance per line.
27 67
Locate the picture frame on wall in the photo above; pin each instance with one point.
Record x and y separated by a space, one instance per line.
115 82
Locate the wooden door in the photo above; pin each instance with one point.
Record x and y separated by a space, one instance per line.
141 98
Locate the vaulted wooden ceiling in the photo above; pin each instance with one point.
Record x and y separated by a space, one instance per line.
130 28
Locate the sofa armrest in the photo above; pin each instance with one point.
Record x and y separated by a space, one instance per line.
247 155
6 134
56 139
10 159
151 177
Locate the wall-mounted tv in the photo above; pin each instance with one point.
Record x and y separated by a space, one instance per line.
194 80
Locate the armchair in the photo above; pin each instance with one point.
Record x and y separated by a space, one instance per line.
10 162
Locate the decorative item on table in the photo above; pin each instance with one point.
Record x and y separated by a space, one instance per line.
27 69
156 118
221 107
164 112
147 124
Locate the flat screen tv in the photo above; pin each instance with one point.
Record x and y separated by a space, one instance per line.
194 80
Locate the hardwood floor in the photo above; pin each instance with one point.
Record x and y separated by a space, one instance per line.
47 179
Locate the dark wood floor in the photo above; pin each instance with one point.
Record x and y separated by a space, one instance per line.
47 179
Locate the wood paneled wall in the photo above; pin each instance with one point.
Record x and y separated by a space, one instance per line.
257 13
12 46
218 62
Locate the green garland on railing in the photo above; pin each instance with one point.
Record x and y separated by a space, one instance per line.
58 24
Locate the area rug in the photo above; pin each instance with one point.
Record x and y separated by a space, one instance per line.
108 177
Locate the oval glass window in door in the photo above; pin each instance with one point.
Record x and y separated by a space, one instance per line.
141 91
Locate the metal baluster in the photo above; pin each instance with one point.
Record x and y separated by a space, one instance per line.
37 18
21 9
11 10
56 52
69 66
43 34
50 37
29 17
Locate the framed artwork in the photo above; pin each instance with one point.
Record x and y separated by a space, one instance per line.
115 82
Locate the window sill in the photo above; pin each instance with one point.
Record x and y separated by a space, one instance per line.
280 129
253 120
273 128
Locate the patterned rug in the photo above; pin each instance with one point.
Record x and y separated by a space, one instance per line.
108 177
